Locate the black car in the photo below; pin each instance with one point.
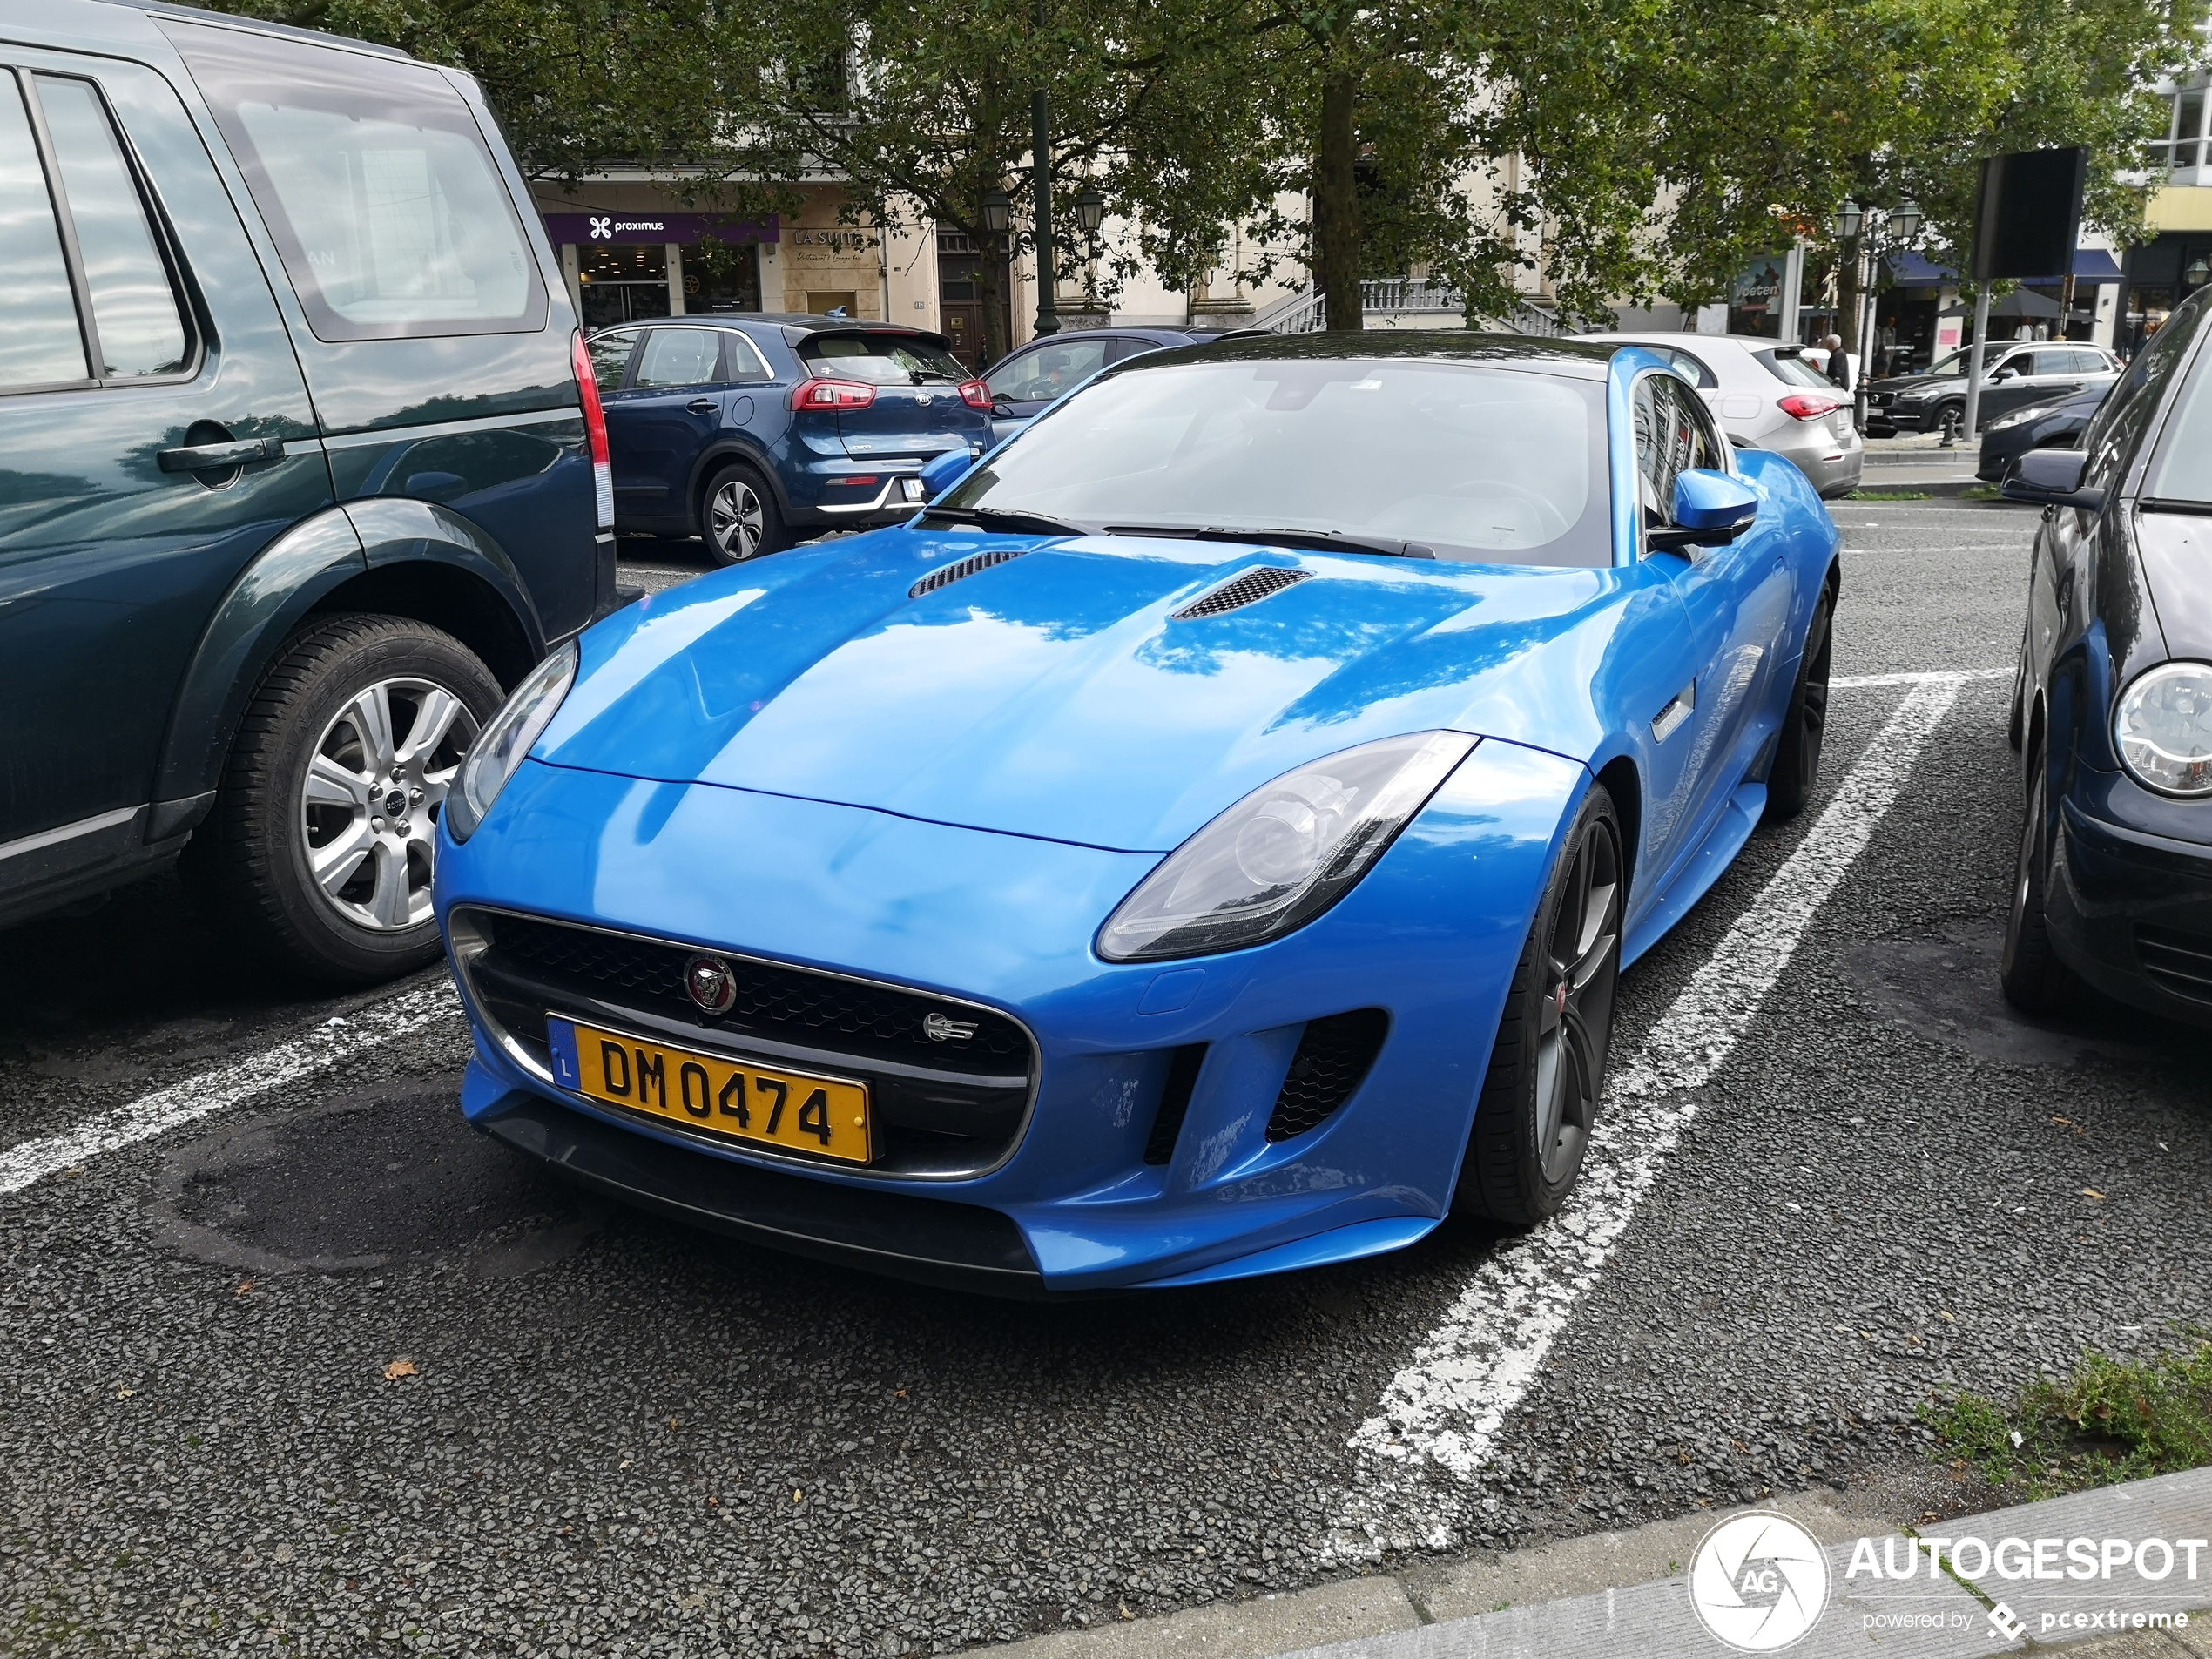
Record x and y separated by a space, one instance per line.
2112 706
2040 426
1025 382
295 473
2014 374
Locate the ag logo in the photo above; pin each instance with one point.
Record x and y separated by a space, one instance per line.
1758 1581
602 229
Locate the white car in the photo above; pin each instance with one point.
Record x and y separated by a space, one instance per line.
1764 394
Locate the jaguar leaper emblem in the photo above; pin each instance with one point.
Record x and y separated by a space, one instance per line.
938 1028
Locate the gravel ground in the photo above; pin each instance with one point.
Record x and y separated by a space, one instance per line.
333 1374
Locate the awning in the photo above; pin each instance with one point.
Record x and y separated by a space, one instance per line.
1911 270
2090 265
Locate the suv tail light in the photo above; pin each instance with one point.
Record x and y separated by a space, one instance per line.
832 394
975 394
1810 406
594 432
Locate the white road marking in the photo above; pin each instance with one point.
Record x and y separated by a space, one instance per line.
1439 1416
338 1039
1945 676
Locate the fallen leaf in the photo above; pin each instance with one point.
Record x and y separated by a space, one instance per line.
676 1422
898 1394
123 1392
2091 1192
797 1496
246 1288
400 1367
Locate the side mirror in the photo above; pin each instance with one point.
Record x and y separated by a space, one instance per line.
943 473
1711 509
2052 477
1996 374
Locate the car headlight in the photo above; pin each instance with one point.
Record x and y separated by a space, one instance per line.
507 737
2020 417
2162 727
1284 855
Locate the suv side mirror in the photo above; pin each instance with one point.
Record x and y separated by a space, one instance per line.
943 473
1711 509
1996 374
2053 478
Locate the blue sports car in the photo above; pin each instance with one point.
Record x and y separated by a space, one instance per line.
1205 841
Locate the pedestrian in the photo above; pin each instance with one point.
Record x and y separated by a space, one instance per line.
1839 363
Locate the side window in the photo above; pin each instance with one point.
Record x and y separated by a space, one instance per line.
2128 407
678 357
1049 371
1693 371
743 361
136 321
375 180
1655 480
611 358
39 342
2088 362
1705 448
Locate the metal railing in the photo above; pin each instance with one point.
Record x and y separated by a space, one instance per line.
1308 312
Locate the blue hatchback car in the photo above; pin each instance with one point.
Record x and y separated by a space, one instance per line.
1203 843
754 431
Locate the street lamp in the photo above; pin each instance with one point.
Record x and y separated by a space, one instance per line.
1905 219
1090 210
998 211
2199 273
1847 220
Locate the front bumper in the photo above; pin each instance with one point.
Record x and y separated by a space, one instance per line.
1099 1189
2130 904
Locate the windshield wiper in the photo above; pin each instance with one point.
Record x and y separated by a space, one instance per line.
1009 519
1313 541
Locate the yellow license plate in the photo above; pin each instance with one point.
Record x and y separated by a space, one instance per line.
792 1109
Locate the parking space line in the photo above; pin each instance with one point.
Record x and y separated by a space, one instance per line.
1439 1417
337 1039
1945 676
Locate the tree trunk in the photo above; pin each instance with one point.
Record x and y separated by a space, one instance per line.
1846 323
1336 204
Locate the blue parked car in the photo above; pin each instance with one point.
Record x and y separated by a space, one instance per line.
1204 843
755 430
1027 382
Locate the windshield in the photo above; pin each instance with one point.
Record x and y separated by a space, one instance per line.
1955 363
880 359
2184 471
1480 464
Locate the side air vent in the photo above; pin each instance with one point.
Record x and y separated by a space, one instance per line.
1332 1060
2181 962
945 576
1175 1101
1248 589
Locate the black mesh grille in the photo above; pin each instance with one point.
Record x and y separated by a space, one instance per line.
945 576
1175 1101
1248 589
790 1004
2177 962
1333 1057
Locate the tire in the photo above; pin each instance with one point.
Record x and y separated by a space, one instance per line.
2016 719
2035 981
1795 766
312 782
739 518
1539 1100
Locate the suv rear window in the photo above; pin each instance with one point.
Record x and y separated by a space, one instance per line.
375 182
880 359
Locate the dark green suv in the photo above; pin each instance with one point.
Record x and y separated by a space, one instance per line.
296 468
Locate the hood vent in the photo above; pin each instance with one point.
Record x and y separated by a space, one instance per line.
1248 589
945 576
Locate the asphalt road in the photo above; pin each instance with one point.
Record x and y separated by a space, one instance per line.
325 1371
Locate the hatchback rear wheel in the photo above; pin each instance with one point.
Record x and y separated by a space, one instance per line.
741 519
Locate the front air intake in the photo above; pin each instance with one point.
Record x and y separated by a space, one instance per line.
1248 589
1332 1060
945 576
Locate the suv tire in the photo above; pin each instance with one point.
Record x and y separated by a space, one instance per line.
739 518
341 761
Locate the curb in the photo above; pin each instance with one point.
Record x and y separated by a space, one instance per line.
1623 1595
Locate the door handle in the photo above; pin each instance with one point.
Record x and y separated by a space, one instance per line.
217 457
701 405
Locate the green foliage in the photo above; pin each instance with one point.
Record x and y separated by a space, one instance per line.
2112 1420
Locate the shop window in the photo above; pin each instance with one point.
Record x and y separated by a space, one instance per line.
623 282
722 277
823 303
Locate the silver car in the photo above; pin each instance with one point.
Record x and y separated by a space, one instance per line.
1766 394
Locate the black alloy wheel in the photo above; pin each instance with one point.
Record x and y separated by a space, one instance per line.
2034 980
740 520
1540 1099
1795 766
